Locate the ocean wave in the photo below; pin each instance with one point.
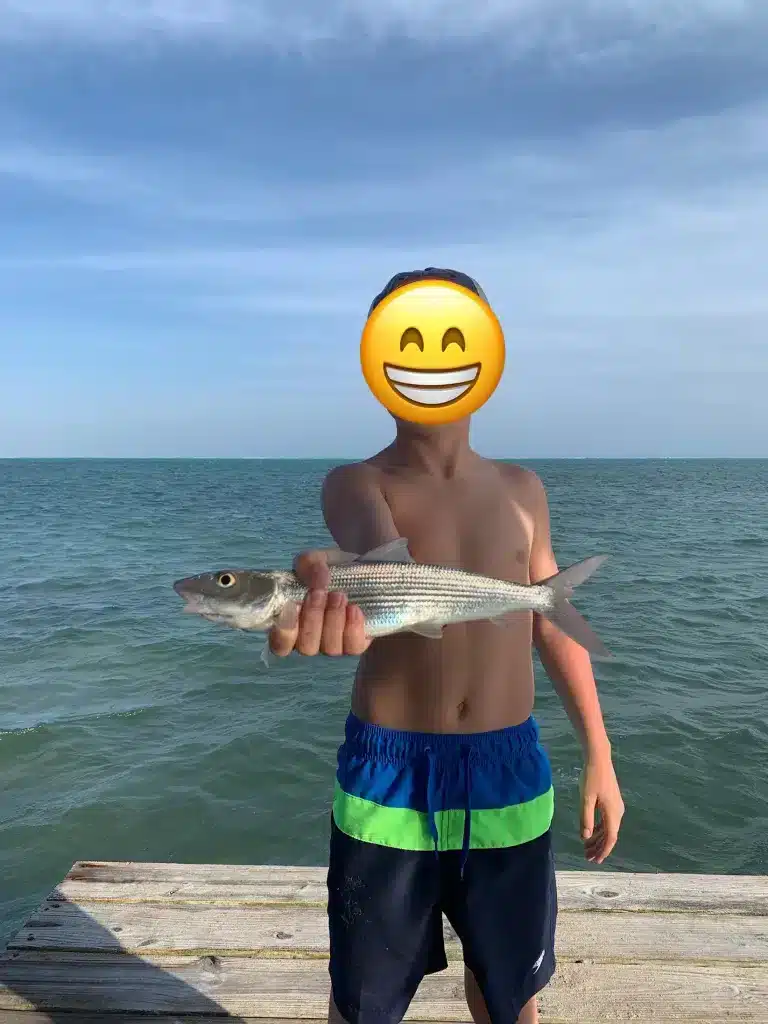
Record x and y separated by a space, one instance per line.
128 730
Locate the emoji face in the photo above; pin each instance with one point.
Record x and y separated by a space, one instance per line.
432 352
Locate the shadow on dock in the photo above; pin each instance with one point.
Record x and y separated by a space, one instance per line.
87 973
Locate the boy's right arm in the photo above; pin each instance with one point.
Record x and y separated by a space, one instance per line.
358 518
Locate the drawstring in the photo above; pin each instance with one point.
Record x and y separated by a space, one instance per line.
466 756
432 801
432 797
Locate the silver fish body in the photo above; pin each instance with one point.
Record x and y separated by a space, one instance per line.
394 593
397 596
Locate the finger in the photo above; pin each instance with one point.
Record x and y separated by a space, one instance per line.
312 569
355 640
600 838
598 833
282 636
593 852
588 815
592 845
607 846
311 622
332 639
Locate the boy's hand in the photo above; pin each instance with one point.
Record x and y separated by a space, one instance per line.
325 623
600 792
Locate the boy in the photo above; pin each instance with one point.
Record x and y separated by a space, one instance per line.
442 728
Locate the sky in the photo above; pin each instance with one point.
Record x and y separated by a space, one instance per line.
200 198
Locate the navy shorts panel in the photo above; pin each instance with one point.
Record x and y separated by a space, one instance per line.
385 911
385 927
505 914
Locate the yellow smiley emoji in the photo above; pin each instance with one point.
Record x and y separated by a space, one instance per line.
432 352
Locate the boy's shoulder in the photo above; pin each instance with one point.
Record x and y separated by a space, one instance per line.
520 478
352 477
524 483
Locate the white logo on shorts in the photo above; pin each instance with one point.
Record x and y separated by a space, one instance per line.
538 963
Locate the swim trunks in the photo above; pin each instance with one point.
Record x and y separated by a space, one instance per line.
428 824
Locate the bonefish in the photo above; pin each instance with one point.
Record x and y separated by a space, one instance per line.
395 594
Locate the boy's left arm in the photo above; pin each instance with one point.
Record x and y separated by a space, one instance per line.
569 667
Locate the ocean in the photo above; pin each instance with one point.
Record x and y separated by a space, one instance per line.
131 731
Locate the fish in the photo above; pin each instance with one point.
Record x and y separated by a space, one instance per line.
395 593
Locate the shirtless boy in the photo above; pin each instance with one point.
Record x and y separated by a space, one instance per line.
440 727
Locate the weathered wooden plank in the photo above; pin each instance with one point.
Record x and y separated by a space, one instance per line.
587 993
37 1017
275 891
79 1017
233 874
296 931
226 883
65 1017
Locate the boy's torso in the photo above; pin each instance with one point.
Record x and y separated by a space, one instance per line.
479 677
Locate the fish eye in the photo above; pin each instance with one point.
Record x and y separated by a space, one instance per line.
226 579
411 336
453 336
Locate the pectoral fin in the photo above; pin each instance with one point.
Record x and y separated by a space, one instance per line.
503 620
431 630
393 551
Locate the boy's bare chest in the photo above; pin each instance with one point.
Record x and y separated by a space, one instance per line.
478 528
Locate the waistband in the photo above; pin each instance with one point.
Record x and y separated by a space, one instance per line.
398 746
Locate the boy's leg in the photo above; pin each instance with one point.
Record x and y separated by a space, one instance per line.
475 1000
529 1013
476 1003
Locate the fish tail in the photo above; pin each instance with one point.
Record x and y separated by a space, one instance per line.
564 615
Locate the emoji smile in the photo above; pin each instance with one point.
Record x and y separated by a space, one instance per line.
432 387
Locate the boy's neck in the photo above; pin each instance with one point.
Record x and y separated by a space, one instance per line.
439 451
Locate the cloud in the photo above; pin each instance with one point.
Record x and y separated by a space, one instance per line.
698 257
549 183
222 214
581 29
669 221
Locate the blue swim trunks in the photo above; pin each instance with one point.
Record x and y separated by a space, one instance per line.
429 824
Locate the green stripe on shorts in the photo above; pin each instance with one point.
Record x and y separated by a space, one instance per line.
404 829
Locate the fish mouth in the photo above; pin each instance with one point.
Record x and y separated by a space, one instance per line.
189 597
194 602
197 604
432 387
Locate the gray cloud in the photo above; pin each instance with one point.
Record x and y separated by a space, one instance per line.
544 183
581 29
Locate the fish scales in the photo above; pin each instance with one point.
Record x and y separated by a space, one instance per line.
397 594
394 593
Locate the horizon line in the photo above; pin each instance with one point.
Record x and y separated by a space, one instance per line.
337 458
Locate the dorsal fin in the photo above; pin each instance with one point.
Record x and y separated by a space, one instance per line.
393 551
338 557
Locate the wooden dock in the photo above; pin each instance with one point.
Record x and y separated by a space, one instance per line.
121 943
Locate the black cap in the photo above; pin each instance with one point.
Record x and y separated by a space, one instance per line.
428 274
